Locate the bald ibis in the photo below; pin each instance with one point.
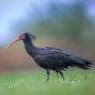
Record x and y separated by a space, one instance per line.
51 58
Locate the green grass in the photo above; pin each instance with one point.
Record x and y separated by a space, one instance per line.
77 82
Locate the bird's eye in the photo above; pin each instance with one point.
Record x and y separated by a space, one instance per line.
23 35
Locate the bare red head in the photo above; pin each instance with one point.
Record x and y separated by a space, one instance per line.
22 37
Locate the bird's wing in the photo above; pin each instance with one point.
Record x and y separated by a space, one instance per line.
54 57
59 58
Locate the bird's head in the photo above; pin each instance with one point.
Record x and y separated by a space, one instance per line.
23 37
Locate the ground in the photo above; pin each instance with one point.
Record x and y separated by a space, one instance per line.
77 82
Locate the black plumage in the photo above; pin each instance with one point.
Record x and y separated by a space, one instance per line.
51 58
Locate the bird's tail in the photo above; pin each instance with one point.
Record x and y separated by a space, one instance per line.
86 64
79 62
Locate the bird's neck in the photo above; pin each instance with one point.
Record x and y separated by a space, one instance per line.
29 46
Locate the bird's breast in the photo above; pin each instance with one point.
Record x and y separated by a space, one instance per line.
41 61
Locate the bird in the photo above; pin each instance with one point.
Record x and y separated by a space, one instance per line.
51 58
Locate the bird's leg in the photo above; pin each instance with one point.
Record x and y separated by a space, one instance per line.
57 72
48 73
61 74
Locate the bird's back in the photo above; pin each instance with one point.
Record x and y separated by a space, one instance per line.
55 58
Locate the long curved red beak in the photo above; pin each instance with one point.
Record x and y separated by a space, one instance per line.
13 42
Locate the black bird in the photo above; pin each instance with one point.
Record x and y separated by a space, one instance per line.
51 58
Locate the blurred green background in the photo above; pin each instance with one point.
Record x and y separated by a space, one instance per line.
68 24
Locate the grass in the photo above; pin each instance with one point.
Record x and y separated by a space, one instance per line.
77 82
